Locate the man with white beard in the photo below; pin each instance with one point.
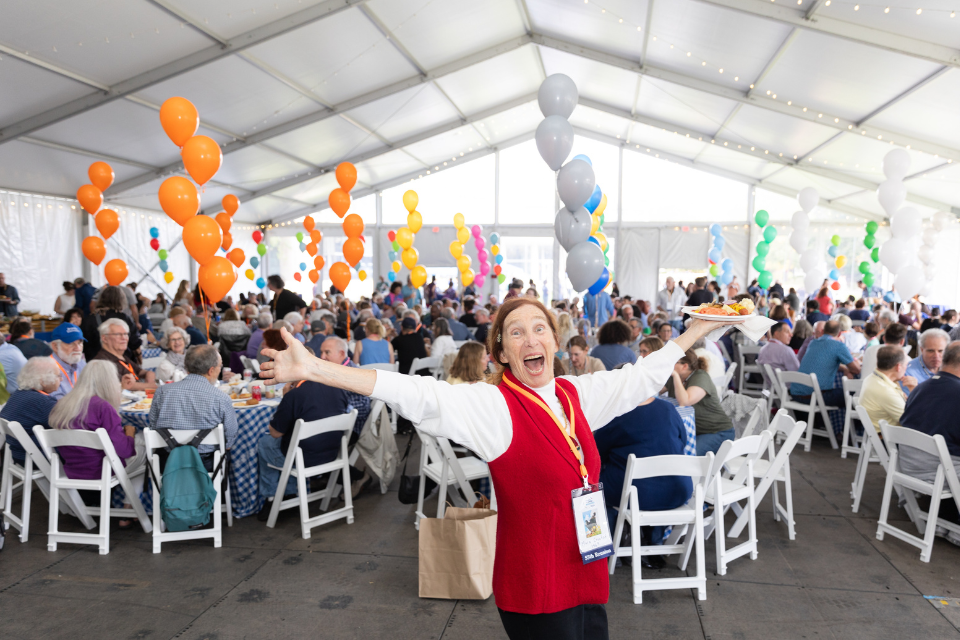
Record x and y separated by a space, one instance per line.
67 347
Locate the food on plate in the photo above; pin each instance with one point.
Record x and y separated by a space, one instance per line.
243 395
742 308
252 401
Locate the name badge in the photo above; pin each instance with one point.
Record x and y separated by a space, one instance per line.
590 520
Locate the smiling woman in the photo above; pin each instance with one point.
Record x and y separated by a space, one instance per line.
535 431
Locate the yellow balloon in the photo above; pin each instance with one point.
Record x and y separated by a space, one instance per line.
458 221
249 273
456 249
594 224
396 267
410 257
362 275
466 277
603 240
841 260
414 221
405 238
495 249
463 263
410 200
601 207
418 276
463 235
169 277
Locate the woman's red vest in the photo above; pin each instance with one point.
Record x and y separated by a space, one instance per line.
538 568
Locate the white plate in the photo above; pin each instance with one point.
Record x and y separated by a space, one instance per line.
712 318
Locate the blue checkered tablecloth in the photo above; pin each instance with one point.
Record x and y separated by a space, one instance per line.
687 415
252 422
151 352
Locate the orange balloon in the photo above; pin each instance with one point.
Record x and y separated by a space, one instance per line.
296 276
340 275
318 262
353 226
230 203
107 223
202 238
308 223
227 241
179 199
93 249
202 158
314 276
91 198
353 251
223 219
346 175
409 257
236 257
316 236
179 119
115 272
101 175
312 249
339 201
216 277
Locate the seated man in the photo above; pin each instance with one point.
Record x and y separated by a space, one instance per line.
200 322
457 328
334 349
321 330
409 345
264 320
12 360
777 352
825 357
468 319
296 321
881 394
932 344
67 347
22 337
32 403
813 313
195 402
482 316
860 312
114 337
196 338
817 333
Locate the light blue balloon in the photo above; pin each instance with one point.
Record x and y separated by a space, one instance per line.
261 283
499 258
719 242
494 238
595 198
163 266
834 274
303 247
303 266
391 276
715 229
725 278
592 239
254 262
154 232
393 256
727 264
601 282
833 251
715 255
581 156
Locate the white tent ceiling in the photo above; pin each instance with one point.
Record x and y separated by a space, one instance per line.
784 94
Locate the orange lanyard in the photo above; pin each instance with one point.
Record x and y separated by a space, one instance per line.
71 380
571 437
128 368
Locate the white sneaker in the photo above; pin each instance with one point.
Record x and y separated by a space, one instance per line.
941 532
953 538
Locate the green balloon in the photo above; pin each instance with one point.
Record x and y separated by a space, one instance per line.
864 267
603 217
606 260
162 254
875 254
262 249
396 245
501 278
714 270
770 233
763 248
869 241
835 240
299 236
762 218
765 279
760 263
872 227
868 279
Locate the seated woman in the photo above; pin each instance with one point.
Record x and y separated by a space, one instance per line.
374 348
613 337
31 403
271 340
172 368
580 362
442 339
801 331
21 336
73 316
146 325
691 386
470 367
232 325
649 345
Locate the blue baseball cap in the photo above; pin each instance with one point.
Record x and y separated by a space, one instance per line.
67 332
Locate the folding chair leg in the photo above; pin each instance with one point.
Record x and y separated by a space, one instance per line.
697 534
752 505
420 492
885 505
54 503
303 497
26 498
278 495
105 518
328 493
788 490
720 541
636 544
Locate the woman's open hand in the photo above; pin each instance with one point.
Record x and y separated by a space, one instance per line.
290 365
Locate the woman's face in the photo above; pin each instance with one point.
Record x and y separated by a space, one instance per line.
682 369
645 350
528 346
76 319
176 343
578 357
665 332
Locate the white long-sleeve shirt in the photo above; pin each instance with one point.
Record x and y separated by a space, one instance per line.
671 302
476 415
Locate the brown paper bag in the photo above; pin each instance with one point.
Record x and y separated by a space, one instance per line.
456 554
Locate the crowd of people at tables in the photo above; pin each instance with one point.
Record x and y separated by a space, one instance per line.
76 379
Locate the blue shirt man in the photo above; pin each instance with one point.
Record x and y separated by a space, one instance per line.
83 295
932 343
598 308
823 358
12 360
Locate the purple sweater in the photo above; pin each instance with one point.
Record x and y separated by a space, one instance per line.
81 463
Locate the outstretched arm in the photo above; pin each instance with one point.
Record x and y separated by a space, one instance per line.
294 364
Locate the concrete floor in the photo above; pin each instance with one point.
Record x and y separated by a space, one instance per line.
360 581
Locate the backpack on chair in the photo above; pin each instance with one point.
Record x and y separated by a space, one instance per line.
187 493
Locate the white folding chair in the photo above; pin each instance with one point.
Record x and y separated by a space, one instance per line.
49 440
250 363
747 365
850 442
936 446
728 375
386 366
432 363
686 520
771 471
815 406
295 466
440 463
35 469
155 441
869 362
773 394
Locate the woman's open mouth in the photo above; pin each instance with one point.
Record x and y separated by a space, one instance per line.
534 364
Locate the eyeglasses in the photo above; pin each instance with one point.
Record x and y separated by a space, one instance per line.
119 335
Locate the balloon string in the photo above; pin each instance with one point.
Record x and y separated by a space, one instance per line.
203 306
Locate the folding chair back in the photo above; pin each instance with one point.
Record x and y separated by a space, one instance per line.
382 366
728 376
440 463
752 423
294 465
747 360
850 441
250 363
946 474
869 362
433 364
812 408
872 449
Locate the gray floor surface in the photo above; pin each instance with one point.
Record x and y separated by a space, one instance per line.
836 580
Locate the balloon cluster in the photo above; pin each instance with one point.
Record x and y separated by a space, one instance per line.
810 260
905 225
939 222
161 254
720 268
90 197
401 247
576 182
765 278
352 228
869 240
464 263
497 257
839 261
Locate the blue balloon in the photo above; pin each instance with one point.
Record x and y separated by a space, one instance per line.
391 276
715 255
154 232
254 262
834 274
727 264
494 238
594 200
499 258
598 286
719 242
303 247
594 240
261 283
393 256
163 266
303 266
715 229
580 156
725 278
833 251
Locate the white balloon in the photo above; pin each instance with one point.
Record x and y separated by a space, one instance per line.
808 198
891 195
558 96
799 240
813 280
572 228
894 254
810 259
909 281
575 184
896 164
930 272
584 265
930 237
927 290
926 254
906 223
800 220
554 140
941 220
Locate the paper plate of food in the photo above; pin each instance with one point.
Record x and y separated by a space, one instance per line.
720 312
